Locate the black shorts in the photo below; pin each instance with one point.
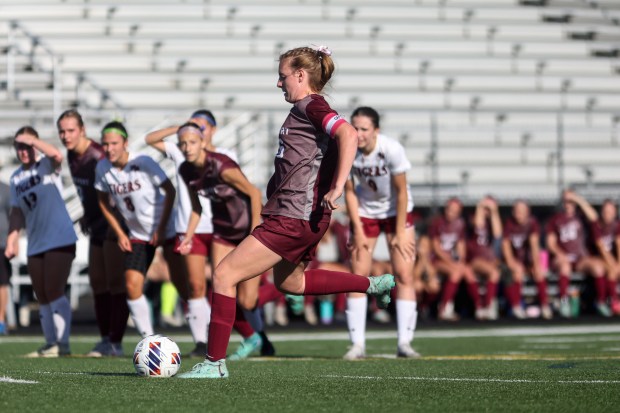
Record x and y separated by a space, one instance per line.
141 257
5 270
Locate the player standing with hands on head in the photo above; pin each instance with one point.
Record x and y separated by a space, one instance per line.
317 148
36 198
105 269
378 200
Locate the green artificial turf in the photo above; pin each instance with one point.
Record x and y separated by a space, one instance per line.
522 373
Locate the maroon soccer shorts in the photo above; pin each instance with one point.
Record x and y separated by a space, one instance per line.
373 227
200 244
293 239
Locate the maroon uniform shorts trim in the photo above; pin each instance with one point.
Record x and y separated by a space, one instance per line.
373 227
201 243
295 240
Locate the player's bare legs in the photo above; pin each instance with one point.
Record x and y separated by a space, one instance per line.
357 304
454 272
595 267
406 303
138 305
489 270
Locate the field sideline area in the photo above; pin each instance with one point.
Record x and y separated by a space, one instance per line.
559 368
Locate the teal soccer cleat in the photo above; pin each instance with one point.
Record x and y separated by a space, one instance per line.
380 287
247 347
207 370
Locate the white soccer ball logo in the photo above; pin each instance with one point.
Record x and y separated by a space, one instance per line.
157 356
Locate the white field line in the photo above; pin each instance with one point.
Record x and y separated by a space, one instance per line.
377 335
5 379
462 379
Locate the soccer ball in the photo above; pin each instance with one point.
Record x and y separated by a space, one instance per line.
157 356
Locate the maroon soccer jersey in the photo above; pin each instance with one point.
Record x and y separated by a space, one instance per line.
519 236
83 173
448 233
231 208
480 242
606 233
570 234
305 164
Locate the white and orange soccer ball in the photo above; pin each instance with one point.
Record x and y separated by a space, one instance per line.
157 356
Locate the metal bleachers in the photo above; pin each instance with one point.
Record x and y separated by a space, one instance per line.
500 77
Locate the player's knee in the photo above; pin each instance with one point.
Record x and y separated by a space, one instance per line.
197 288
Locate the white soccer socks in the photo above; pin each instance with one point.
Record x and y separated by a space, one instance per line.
141 315
356 319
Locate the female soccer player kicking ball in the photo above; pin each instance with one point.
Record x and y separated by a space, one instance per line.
317 148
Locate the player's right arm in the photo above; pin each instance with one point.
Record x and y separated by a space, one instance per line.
106 210
156 138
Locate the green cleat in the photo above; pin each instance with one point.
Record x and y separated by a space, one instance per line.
296 302
247 347
207 370
380 287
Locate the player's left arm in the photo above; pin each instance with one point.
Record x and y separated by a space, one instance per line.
235 178
160 235
16 223
346 138
402 241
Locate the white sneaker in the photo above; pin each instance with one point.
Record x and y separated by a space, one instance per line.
280 316
46 351
518 313
170 320
481 314
381 316
546 312
310 315
447 312
405 350
356 352
492 310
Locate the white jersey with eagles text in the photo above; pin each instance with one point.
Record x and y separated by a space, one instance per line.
136 192
184 205
372 177
37 191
